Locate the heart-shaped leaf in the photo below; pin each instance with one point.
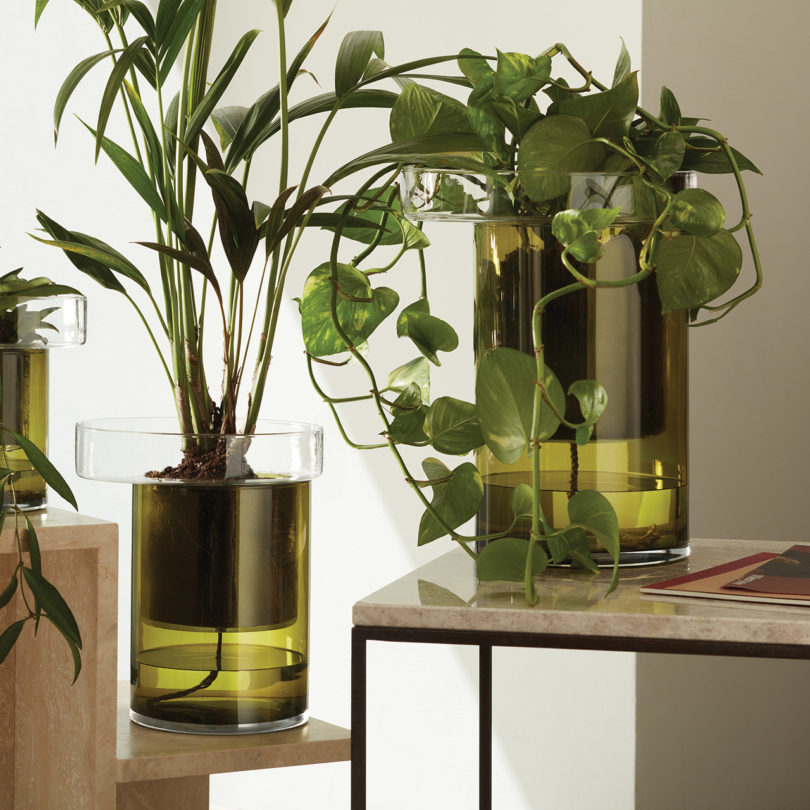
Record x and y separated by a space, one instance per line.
452 426
607 114
522 502
420 111
551 149
417 371
504 560
428 333
360 309
457 496
519 76
697 211
408 424
693 270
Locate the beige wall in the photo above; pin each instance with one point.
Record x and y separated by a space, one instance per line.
717 732
743 64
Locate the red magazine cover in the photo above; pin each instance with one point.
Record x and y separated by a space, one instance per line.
784 580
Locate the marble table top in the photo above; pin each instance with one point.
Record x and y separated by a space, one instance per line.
445 595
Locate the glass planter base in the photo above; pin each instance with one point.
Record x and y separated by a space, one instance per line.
240 728
630 559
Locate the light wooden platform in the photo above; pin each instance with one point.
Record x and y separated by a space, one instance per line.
144 754
66 747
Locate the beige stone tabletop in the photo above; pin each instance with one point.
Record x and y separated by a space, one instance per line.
445 594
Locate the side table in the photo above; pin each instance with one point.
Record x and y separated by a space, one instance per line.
73 747
436 604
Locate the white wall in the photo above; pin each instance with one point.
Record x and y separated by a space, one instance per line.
364 519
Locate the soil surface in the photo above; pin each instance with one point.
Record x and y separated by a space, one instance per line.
200 466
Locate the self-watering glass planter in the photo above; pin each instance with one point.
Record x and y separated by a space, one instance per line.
220 570
617 336
28 332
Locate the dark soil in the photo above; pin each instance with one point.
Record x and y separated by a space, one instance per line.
200 466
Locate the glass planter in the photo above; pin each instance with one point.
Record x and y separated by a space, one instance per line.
28 332
617 336
220 571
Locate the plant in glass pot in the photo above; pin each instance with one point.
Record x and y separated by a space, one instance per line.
594 251
36 315
220 498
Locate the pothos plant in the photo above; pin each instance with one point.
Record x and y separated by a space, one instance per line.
20 325
533 131
173 153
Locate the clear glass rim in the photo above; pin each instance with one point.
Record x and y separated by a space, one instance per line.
154 426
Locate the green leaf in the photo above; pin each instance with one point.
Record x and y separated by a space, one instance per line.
552 148
670 110
607 114
53 605
9 638
114 83
415 150
504 560
408 424
138 10
201 113
284 5
669 153
473 65
227 121
382 213
92 256
483 120
71 83
522 501
519 76
353 57
153 148
698 159
456 499
622 70
592 511
8 591
133 173
504 394
580 231
420 111
360 309
197 262
40 7
237 227
429 334
295 216
697 211
34 553
171 42
452 426
44 467
693 270
417 371
593 400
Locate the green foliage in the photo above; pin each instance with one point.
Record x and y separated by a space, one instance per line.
509 154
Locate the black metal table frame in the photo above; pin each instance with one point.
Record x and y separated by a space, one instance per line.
485 641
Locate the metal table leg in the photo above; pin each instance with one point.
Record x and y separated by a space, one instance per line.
485 726
358 766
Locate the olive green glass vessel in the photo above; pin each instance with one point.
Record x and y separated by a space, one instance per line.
28 333
617 336
220 574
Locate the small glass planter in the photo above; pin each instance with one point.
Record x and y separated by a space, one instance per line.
617 336
220 571
28 333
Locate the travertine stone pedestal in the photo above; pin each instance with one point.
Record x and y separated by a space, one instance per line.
66 747
59 740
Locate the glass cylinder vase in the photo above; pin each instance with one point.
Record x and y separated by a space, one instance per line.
220 570
618 336
29 330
